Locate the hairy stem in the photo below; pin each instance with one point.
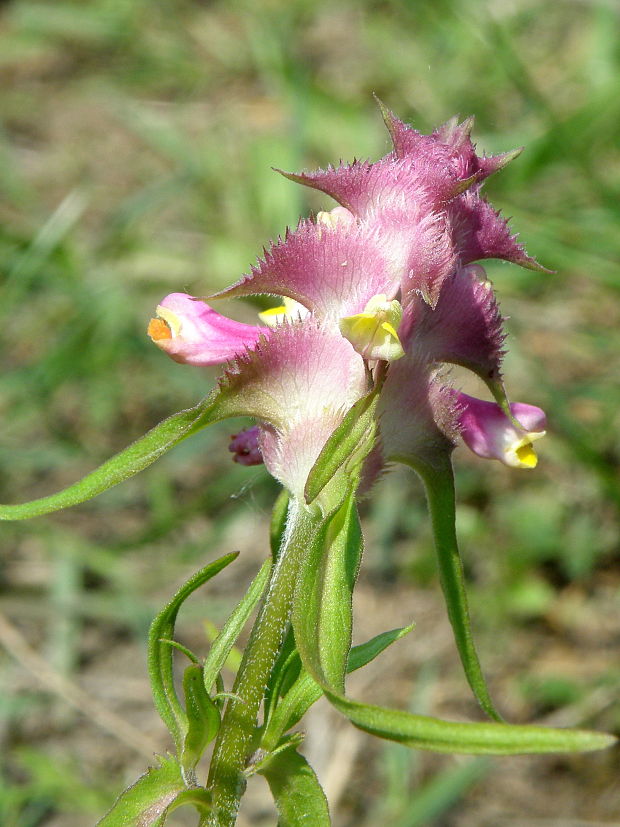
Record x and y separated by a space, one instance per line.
233 746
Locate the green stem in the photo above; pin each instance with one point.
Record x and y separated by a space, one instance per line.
233 746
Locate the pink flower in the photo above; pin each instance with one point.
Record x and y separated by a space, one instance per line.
193 333
491 434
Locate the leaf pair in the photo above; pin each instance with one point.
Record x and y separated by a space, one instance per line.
154 796
160 653
305 691
323 604
295 788
194 723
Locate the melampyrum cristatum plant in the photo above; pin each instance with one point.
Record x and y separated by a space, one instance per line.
344 378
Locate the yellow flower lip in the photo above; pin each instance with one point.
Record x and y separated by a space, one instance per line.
527 455
274 316
521 454
326 218
374 331
339 216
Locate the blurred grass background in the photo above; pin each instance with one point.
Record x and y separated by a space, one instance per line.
136 146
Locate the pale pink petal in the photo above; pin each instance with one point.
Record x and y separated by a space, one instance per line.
417 414
299 383
191 332
529 416
331 270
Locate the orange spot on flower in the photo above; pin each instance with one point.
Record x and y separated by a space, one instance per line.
158 329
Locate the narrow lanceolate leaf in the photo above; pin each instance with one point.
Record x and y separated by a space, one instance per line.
347 446
305 691
160 662
418 731
146 802
422 732
441 499
129 462
224 642
203 717
322 603
296 791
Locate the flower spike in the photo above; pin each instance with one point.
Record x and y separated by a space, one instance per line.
388 275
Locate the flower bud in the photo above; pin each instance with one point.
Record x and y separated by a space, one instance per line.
244 446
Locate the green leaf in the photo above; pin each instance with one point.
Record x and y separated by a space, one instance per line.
224 642
439 484
323 595
366 652
347 446
146 802
203 718
296 790
416 731
422 732
198 797
180 648
160 660
306 691
129 462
